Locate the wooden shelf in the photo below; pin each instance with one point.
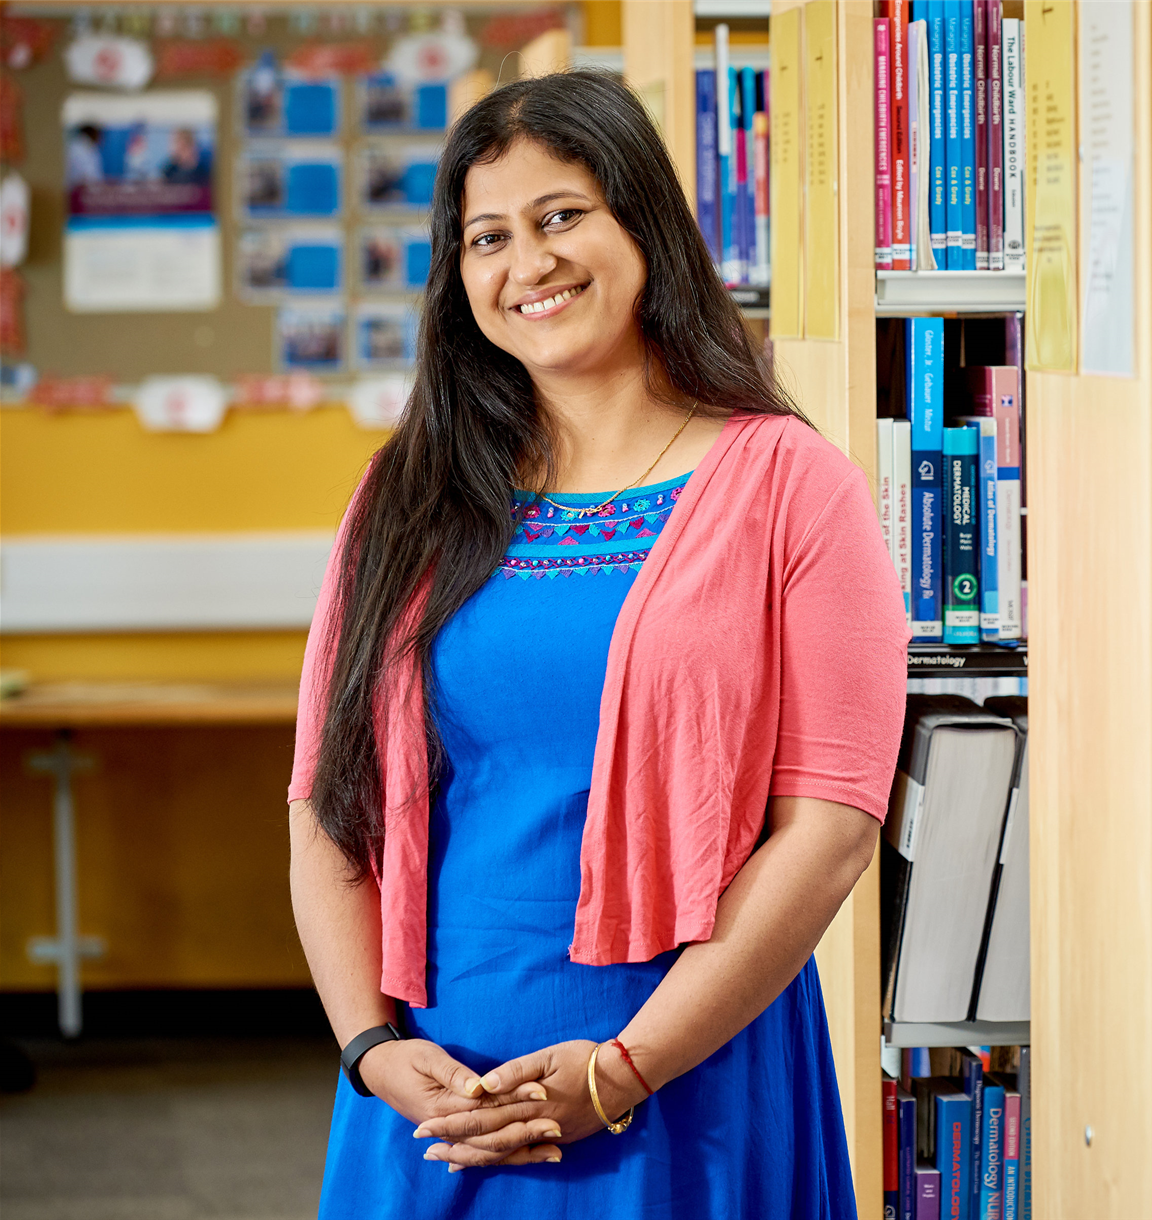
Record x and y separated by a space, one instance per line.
736 9
902 292
959 1033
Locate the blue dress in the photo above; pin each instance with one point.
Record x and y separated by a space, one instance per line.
755 1132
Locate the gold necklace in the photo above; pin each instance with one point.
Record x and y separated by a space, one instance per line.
591 511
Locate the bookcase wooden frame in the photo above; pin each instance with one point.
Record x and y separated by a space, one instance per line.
1089 455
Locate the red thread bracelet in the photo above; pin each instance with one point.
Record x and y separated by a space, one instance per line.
628 1060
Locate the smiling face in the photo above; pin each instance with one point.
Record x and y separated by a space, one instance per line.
552 277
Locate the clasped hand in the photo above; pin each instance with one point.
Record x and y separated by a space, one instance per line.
517 1114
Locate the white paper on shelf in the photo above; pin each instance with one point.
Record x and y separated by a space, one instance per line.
1106 39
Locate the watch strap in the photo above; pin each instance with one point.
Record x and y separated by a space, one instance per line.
351 1055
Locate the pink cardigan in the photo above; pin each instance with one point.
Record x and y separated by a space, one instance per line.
760 652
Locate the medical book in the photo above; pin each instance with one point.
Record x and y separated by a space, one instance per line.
707 198
985 428
953 1154
961 538
1024 1084
967 142
953 141
761 273
995 95
1011 1162
920 136
980 118
891 1150
883 127
746 172
884 487
1012 41
902 509
991 1184
927 1189
924 368
906 1138
726 160
737 258
972 1083
897 13
938 144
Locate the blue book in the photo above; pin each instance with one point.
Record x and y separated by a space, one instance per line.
967 140
906 1135
924 377
992 1155
986 501
726 162
937 144
748 251
961 531
707 201
972 1081
736 258
953 151
954 1154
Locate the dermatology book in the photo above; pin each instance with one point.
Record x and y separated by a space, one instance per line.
961 535
924 381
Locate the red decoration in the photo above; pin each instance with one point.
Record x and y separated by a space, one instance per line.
214 57
24 40
72 393
334 59
515 29
11 120
12 340
299 391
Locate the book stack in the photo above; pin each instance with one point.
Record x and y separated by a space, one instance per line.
732 166
949 106
957 1135
950 496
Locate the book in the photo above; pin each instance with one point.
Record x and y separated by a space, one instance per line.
737 183
994 390
746 168
988 574
725 159
967 141
939 849
980 119
920 140
883 78
972 1080
1011 1210
1004 992
1012 30
1024 1084
884 488
707 201
953 1154
902 509
761 272
991 1183
906 1136
891 1149
995 137
927 1191
961 534
953 144
924 366
897 13
938 143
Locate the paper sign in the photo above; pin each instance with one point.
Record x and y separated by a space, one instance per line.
1050 195
821 148
13 220
1106 46
180 404
377 402
785 148
101 59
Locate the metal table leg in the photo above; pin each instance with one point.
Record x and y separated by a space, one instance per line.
67 947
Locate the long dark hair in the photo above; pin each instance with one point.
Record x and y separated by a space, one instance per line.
434 511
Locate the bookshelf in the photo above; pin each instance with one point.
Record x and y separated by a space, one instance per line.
1089 658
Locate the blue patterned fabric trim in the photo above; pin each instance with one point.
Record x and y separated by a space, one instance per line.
551 541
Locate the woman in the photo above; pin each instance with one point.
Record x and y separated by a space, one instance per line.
602 600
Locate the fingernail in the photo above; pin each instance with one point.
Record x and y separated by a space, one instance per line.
553 1159
455 1168
421 1133
491 1082
429 1157
553 1134
471 1084
538 1095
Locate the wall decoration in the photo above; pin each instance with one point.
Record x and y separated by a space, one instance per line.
385 335
14 203
311 337
377 402
11 120
436 56
54 394
180 404
101 59
319 59
24 41
388 104
297 391
275 102
176 58
141 232
394 258
280 180
274 260
397 176
12 336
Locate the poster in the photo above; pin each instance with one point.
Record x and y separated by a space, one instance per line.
274 102
311 337
285 181
281 260
385 335
141 230
394 259
397 177
389 104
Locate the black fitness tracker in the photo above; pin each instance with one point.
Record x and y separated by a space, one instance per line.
351 1055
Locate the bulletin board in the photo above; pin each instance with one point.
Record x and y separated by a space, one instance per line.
241 335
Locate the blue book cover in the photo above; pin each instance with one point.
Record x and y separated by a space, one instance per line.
748 186
726 173
707 210
924 377
954 1154
986 506
953 151
973 1083
961 530
906 1128
735 257
937 143
967 140
992 1155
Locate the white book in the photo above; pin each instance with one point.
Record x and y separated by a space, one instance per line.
902 509
922 257
1012 40
884 482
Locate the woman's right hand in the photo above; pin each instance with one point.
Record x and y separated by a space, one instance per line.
420 1080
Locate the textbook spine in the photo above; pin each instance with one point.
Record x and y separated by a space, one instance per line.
902 509
1011 1155
967 141
883 101
980 80
884 484
1011 31
986 507
995 138
924 357
707 213
992 1155
897 13
953 1155
936 165
954 145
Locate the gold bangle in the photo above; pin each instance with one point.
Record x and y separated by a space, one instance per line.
619 1127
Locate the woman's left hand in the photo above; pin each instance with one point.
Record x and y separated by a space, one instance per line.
480 1138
